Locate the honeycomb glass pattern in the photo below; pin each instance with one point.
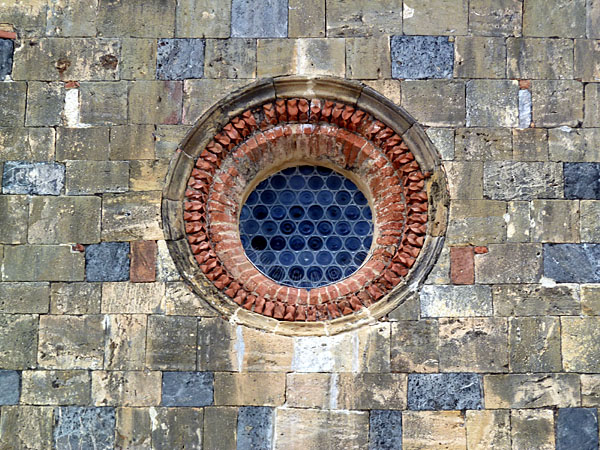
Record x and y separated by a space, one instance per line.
306 227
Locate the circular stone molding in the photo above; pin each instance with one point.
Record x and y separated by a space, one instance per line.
284 122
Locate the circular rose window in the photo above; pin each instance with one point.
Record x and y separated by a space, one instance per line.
305 206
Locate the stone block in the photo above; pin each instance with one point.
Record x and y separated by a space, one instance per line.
217 341
436 17
488 429
443 140
255 427
563 18
483 144
355 18
203 18
535 344
557 102
133 428
590 390
152 20
495 17
84 427
177 428
10 387
257 351
587 63
148 175
525 108
13 104
33 178
531 391
368 58
455 301
582 180
125 388
533 59
220 425
265 19
56 387
181 301
306 18
103 103
171 343
518 223
366 391
373 343
168 137
516 180
530 144
94 177
132 142
535 299
71 342
253 389
580 344
421 57
385 430
73 298
593 19
43 263
444 391
554 221
107 261
45 103
64 220
23 298
433 429
474 344
72 19
311 429
532 429
310 390
324 354
414 346
125 345
13 221
509 263
437 103
81 59
476 222
465 179
590 299
30 17
27 144
230 58
577 428
143 262
82 144
492 103
178 59
155 102
198 97
462 265
479 57
134 216
409 309
138 59
592 108
572 263
7 48
26 427
187 389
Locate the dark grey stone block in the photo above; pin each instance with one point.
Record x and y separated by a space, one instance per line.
179 59
10 387
582 180
187 388
7 48
385 430
577 428
107 261
33 178
444 391
80 427
422 57
572 263
255 428
264 19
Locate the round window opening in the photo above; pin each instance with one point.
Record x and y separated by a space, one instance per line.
305 206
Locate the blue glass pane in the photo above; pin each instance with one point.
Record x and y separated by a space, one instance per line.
244 213
278 181
260 212
278 212
268 197
287 227
306 197
287 258
269 227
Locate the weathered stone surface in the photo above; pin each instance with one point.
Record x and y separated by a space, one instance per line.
220 426
306 18
455 301
355 18
171 343
181 301
368 58
23 298
93 177
564 18
148 175
133 426
577 428
187 389
56 387
13 104
408 310
43 263
71 342
103 103
125 388
44 104
587 61
557 102
532 429
509 263
535 344
199 95
10 387
155 102
385 430
443 140
81 427
230 58
309 429
125 345
257 351
433 429
26 427
474 344
444 391
254 389
590 299
534 59
440 274
531 391
492 103
580 344
591 106
177 59
82 144
203 18
33 178
373 345
267 19
168 137
135 19
535 299
143 262
365 391
414 346
582 180
134 216
488 429
438 103
64 220
13 221
572 263
554 221
590 390
518 221
323 354
138 59
422 57
479 57
310 390
515 180
30 17
525 107
435 17
27 144
71 19
177 428
255 427
107 261
482 144
217 340
530 144
7 47
462 265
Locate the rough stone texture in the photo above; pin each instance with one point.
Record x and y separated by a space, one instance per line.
422 57
510 263
10 387
6 57
231 58
435 17
534 59
515 180
366 391
26 427
492 103
103 103
373 345
257 351
557 102
532 429
433 429
525 107
587 61
177 428
333 354
180 300
476 222
134 216
125 345
572 263
356 18
27 144
138 59
590 300
465 179
133 427
68 20
462 265
535 344
591 108
203 18
147 175
177 59
255 427
254 389
531 391
13 221
554 221
385 430
135 298
216 344
442 138
56 387
518 223
199 95
309 390
582 180
565 18
530 144
306 18
266 19
132 142
442 391
43 263
33 178
437 103
590 390
13 104
368 58
171 343
414 346
155 102
135 19
455 301
44 104
23 298
89 144
488 429
479 57
577 428
220 428
94 177
187 389
535 299
125 388
580 344
482 144
107 261
81 427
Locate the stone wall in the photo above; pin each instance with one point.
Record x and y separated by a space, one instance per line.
103 345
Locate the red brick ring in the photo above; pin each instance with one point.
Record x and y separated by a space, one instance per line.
283 130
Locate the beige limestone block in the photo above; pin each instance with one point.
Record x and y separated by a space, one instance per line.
126 297
251 389
590 390
56 387
373 348
259 351
433 429
555 221
181 301
125 347
220 428
590 299
365 391
133 216
133 428
414 346
488 429
26 427
581 344
130 388
310 390
531 391
532 429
